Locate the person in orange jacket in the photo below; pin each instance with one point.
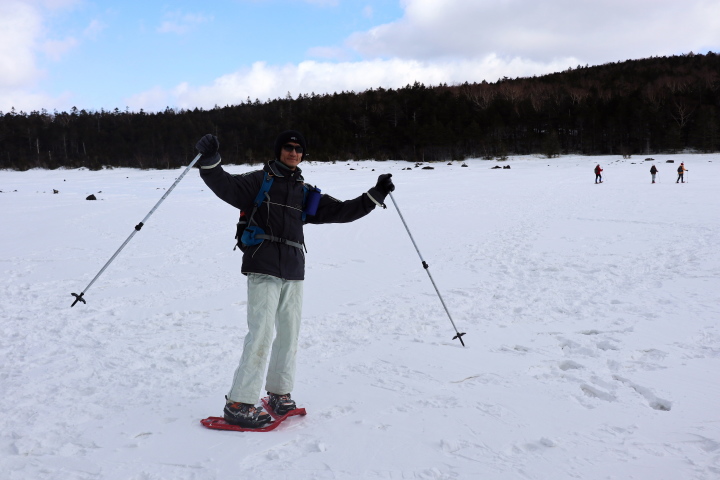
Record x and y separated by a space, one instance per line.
681 173
598 174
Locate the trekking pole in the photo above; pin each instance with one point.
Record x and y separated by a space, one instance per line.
79 297
458 335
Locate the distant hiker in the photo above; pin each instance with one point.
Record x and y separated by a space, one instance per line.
653 172
275 265
681 173
598 174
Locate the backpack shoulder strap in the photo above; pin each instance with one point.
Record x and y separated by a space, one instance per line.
264 188
305 192
262 193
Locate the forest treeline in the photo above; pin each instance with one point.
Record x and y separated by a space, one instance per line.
659 104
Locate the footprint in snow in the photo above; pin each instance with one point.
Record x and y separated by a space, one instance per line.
595 392
569 365
654 401
606 345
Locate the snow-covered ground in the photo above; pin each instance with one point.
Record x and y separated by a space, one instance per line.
592 315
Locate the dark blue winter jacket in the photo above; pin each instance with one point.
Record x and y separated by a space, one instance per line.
280 216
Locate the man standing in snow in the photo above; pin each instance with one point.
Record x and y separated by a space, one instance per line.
681 173
275 267
653 172
598 174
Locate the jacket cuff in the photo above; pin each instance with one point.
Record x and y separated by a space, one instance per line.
209 162
376 197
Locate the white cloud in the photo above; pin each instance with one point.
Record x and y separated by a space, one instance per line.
94 29
263 81
594 31
22 39
155 99
435 41
20 27
27 101
182 23
55 49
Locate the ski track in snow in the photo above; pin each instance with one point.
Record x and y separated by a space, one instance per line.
590 311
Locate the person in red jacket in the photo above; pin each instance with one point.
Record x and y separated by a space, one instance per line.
598 174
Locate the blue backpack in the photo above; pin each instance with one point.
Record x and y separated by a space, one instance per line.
248 235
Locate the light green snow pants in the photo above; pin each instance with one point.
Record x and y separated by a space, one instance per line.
273 304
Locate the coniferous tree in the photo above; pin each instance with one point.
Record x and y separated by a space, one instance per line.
640 106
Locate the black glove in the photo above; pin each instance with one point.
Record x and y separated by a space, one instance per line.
385 184
208 146
381 189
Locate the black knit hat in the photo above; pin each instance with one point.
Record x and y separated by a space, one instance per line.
289 136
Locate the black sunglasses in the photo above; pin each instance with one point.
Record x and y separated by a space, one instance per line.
289 148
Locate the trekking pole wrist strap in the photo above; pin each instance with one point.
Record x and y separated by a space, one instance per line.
204 162
379 204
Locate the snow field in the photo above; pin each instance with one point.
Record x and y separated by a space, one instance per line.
590 311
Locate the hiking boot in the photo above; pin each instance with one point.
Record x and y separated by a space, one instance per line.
246 415
281 404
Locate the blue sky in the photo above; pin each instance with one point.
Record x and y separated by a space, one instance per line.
56 54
